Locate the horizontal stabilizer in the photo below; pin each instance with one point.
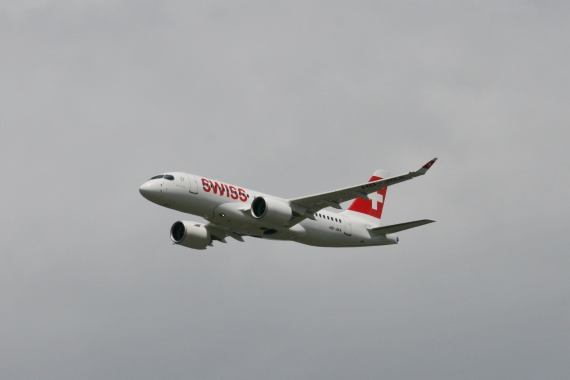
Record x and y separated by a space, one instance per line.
385 230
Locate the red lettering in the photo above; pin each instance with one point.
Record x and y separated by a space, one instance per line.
206 185
217 186
242 195
228 191
233 192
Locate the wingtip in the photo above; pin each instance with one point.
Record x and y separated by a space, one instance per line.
423 170
429 164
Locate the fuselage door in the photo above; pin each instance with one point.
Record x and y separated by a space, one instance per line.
347 226
193 183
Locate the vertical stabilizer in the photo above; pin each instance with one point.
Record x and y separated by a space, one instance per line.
370 210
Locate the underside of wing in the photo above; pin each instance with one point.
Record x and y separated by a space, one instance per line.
220 233
385 230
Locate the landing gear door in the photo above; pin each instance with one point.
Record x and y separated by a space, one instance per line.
193 184
347 226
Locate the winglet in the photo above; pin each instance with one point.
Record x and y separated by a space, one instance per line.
423 170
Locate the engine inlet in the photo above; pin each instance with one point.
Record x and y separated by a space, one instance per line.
177 232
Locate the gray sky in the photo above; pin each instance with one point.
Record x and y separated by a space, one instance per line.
289 98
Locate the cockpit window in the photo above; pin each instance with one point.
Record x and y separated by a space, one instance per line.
169 177
157 176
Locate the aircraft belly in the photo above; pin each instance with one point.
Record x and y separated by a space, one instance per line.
232 216
320 234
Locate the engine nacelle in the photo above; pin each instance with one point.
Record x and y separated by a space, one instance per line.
271 210
190 234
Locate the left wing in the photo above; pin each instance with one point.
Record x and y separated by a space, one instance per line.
305 207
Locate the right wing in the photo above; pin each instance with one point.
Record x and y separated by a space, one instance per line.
385 230
305 207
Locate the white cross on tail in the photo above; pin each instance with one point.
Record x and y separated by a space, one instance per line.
376 198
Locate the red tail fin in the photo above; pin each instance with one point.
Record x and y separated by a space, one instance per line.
374 206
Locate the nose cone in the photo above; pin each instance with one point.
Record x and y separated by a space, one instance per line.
146 191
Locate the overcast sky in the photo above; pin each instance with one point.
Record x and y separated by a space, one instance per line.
289 98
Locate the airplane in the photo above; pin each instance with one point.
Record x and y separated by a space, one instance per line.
233 211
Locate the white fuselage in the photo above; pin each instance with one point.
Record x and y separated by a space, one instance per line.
228 207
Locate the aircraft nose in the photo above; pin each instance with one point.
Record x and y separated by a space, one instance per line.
145 190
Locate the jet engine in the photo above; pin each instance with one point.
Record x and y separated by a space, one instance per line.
271 210
190 234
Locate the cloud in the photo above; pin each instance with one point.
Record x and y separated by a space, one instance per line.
289 99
